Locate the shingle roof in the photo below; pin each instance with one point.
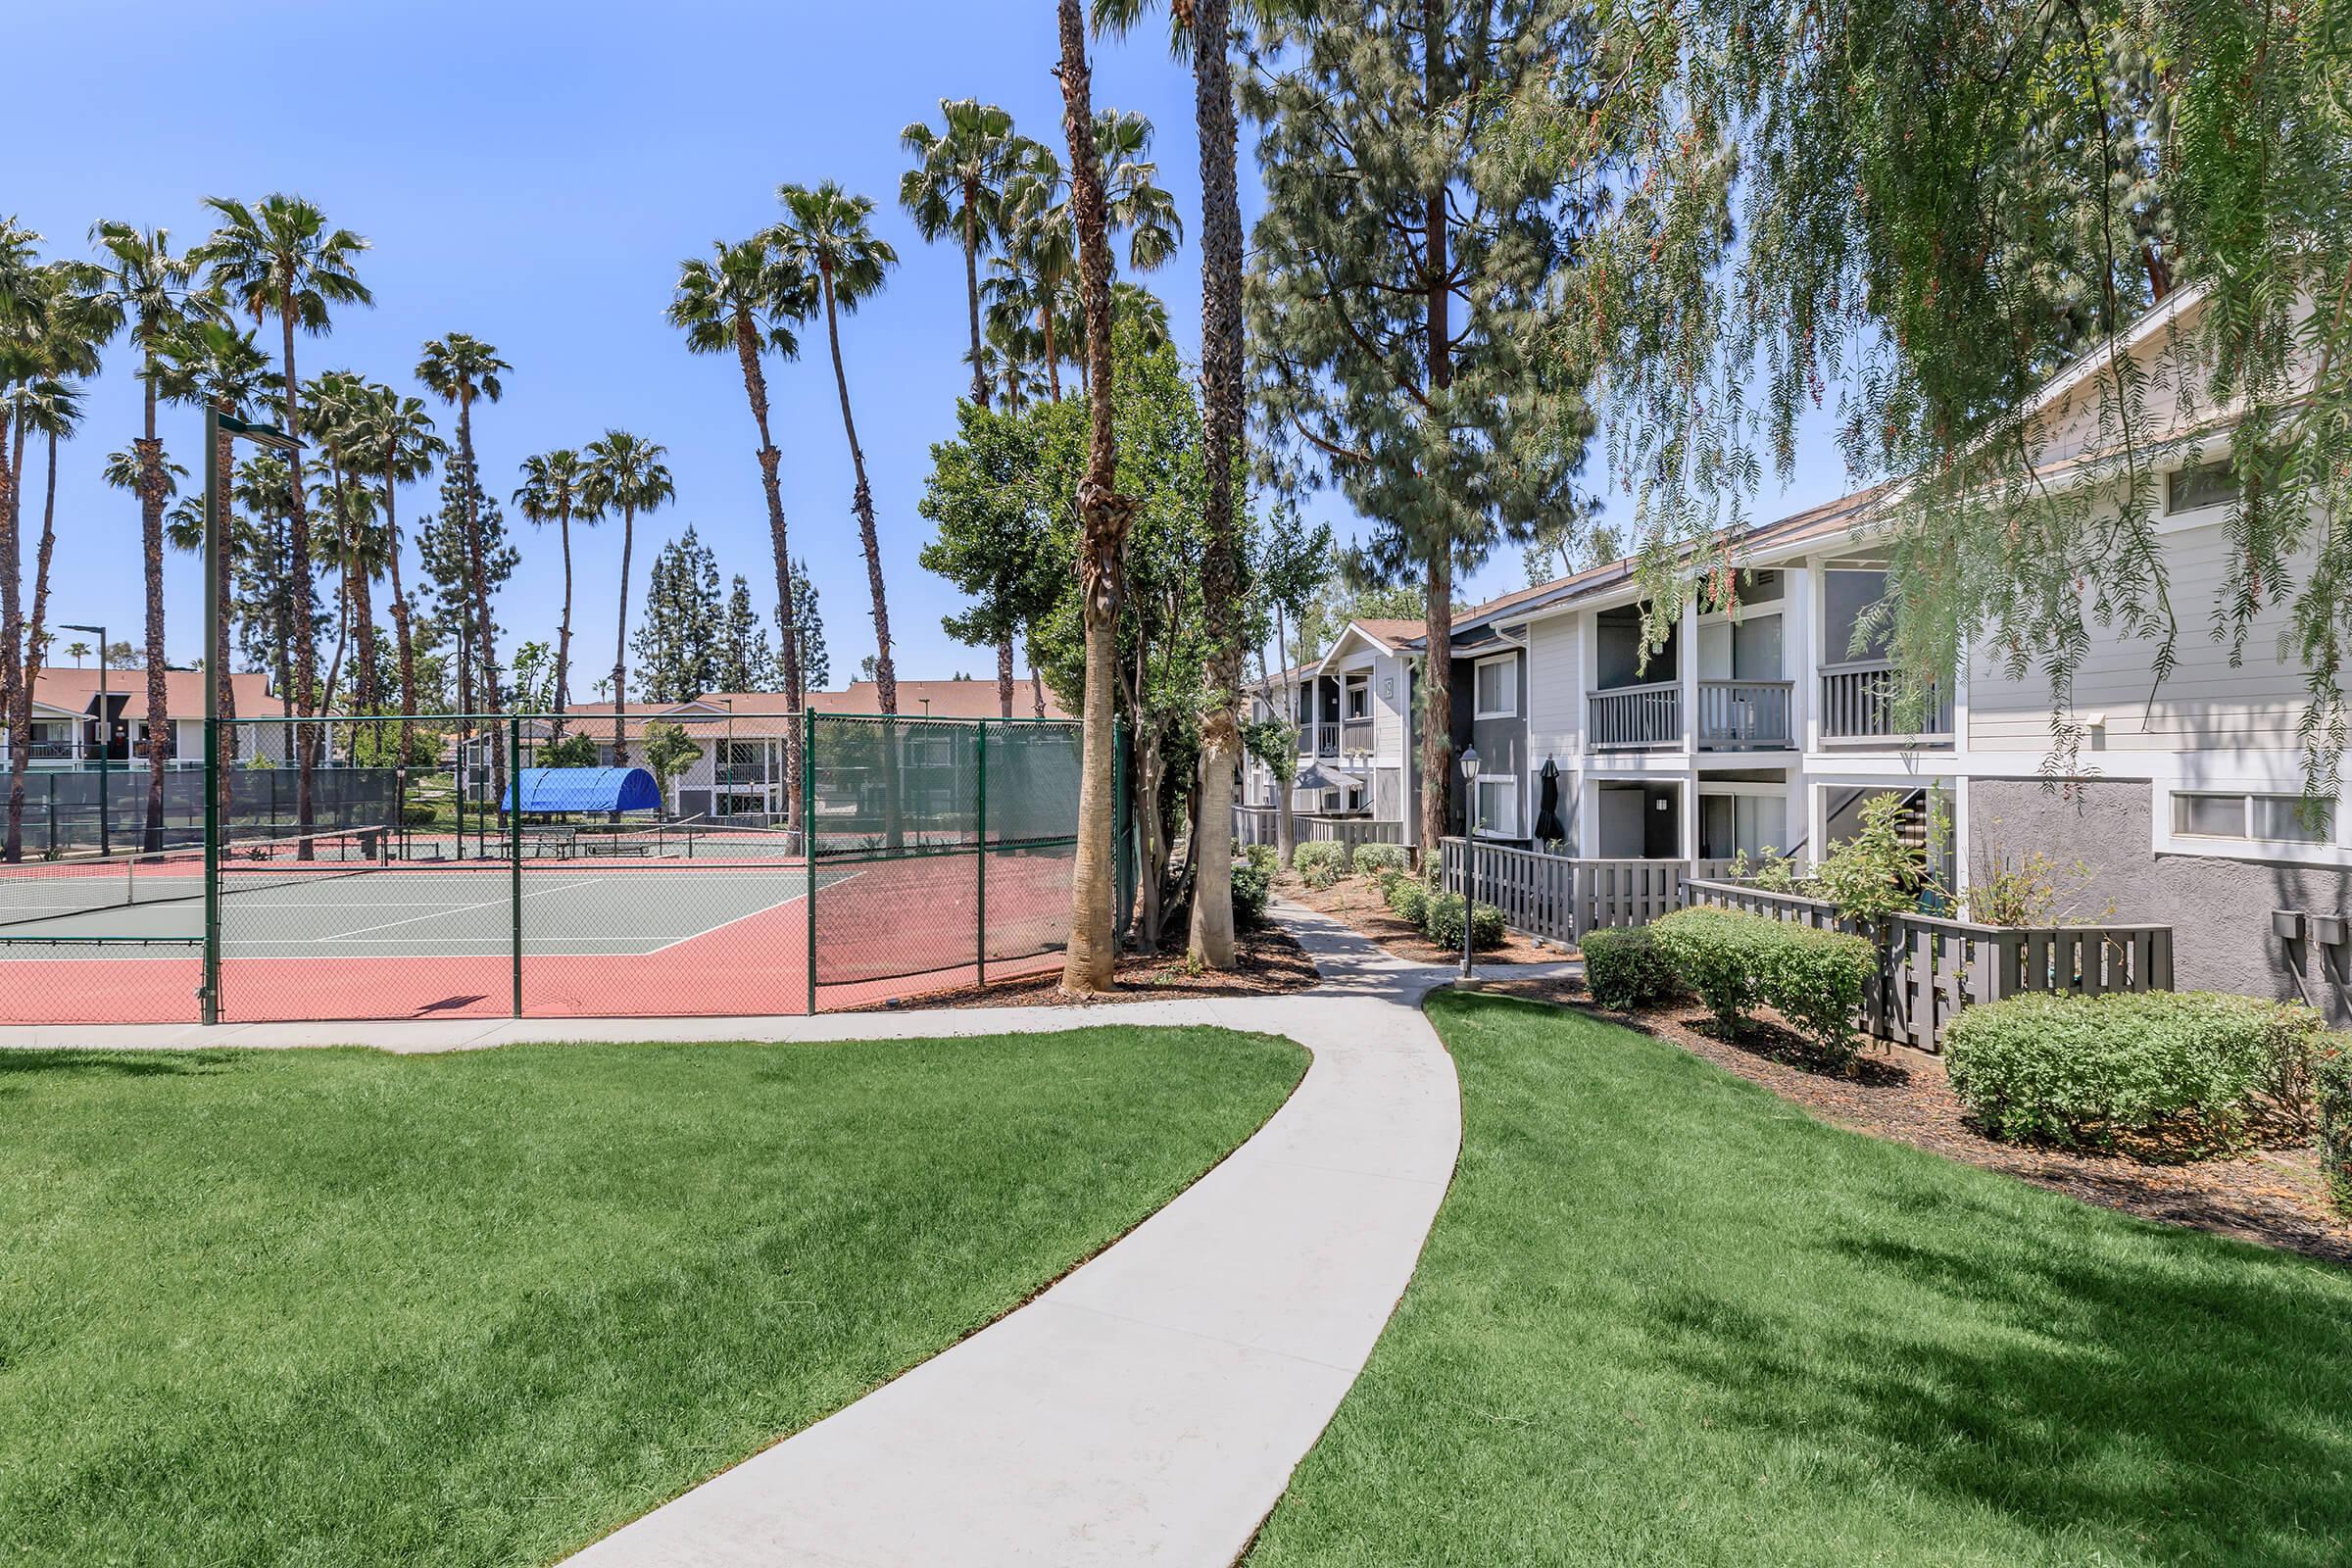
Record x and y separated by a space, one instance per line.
183 690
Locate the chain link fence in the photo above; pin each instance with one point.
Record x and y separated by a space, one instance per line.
725 864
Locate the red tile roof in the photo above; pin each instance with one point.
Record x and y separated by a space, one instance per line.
183 690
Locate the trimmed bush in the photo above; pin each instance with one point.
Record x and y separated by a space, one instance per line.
1252 886
1626 969
1735 961
1442 922
1408 899
1372 857
2077 1069
2332 1109
1319 852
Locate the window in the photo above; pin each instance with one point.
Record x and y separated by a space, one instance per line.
2208 484
1497 807
1355 797
1729 824
2261 818
1496 688
1359 698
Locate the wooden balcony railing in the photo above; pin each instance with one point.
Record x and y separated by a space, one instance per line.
1355 735
1744 714
1860 701
1628 716
1327 738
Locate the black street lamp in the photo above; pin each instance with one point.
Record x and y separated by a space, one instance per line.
106 734
1469 855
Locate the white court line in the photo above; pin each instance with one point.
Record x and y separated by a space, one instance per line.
781 904
444 912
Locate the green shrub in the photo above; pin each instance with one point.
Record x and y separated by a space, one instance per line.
2074 1069
1442 922
1735 961
1321 875
1252 886
2331 1107
1408 899
1626 969
1319 852
1374 858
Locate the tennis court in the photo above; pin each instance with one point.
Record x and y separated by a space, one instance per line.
919 884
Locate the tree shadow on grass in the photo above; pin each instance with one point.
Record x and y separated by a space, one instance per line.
2188 1399
115 1064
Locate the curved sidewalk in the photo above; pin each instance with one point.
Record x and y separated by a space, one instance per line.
1152 1406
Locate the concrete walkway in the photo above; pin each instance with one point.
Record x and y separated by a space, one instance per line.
1152 1406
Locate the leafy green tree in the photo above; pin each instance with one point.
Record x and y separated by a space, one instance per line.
994 524
551 485
807 624
278 257
461 369
462 544
825 234
670 751
625 475
1404 262
956 188
1292 563
679 647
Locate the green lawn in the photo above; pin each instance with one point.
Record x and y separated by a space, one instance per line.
337 1307
1668 1318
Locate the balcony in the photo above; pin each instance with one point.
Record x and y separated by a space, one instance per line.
1326 737
1861 700
1744 715
1632 718
1355 735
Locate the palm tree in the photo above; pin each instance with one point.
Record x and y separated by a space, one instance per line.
626 473
1134 203
80 650
22 308
458 368
208 363
1043 246
956 186
137 282
1103 519
278 258
55 348
395 439
745 299
337 399
552 483
1039 225
1200 28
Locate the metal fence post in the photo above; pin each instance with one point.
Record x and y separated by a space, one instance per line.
980 855
808 835
514 806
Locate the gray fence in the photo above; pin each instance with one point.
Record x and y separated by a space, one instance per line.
1558 899
72 810
1929 968
1257 824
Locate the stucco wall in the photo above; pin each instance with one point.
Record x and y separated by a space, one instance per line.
2220 910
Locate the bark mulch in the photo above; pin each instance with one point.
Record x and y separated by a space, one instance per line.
1267 962
2271 1193
1356 901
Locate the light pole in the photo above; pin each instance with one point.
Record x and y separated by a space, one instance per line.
106 734
218 424
1469 854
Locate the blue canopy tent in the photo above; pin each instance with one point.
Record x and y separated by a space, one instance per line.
585 789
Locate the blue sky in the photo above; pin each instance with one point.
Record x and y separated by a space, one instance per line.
532 174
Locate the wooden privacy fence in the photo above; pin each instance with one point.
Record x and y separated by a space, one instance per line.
1260 824
1558 899
1930 967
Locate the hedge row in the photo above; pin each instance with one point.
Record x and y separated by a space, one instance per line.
1735 962
1440 915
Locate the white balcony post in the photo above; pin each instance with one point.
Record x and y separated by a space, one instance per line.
1587 663
1685 670
1804 640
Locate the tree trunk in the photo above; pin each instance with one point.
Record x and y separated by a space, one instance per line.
224 458
20 741
1211 941
151 545
971 293
1037 684
754 388
1437 707
563 694
485 632
621 641
886 676
1102 516
304 655
16 692
1004 674
406 637
1045 320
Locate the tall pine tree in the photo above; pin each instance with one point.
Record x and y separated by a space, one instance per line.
746 660
816 669
447 569
680 641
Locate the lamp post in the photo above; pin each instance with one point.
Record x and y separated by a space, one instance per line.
106 734
215 669
1469 854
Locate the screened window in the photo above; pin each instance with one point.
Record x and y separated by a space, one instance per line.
1846 601
1359 698
1497 689
2257 818
2208 484
1497 806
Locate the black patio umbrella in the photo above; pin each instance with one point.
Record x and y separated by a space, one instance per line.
1548 814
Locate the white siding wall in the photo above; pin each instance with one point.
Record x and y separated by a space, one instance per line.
1554 692
1388 706
2203 703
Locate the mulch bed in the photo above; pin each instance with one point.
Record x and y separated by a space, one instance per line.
2271 1193
1356 901
1267 962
